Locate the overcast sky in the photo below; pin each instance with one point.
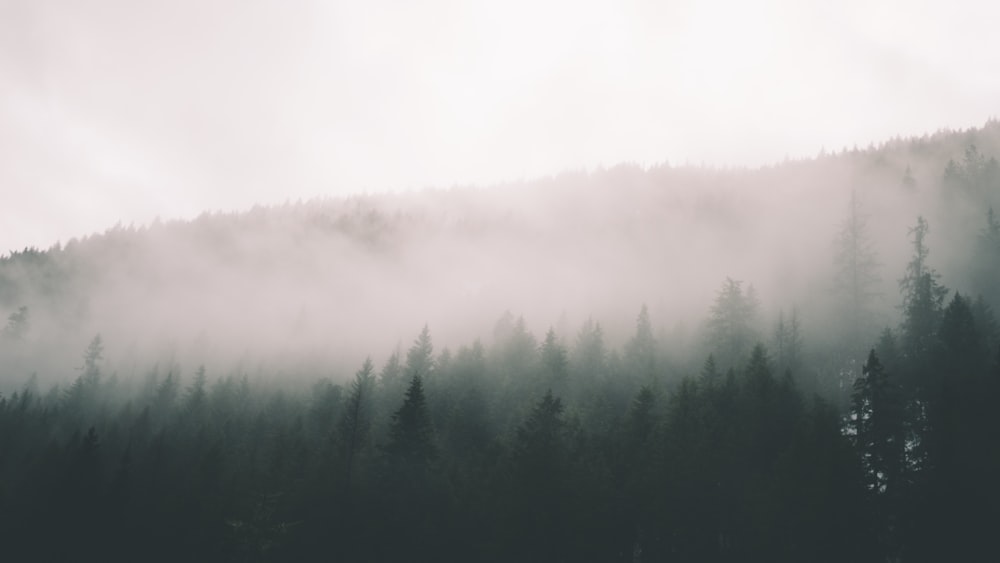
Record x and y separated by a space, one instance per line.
122 110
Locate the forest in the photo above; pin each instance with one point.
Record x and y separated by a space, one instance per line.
793 363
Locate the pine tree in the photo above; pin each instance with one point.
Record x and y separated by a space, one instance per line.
553 355
540 469
196 394
84 390
788 342
411 438
355 422
710 375
420 357
857 278
923 297
391 371
962 351
641 349
589 354
984 262
877 422
18 324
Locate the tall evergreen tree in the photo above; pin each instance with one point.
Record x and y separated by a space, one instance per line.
356 419
641 349
420 357
553 355
877 422
962 348
857 278
788 342
923 297
411 437
589 354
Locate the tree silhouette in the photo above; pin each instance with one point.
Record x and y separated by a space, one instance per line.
857 277
356 420
411 438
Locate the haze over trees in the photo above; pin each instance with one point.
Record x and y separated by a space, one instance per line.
794 363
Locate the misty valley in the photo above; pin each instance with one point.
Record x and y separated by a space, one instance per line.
798 362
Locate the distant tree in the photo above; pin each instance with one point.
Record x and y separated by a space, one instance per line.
909 182
391 371
93 356
516 349
553 355
759 377
84 389
641 349
984 263
788 342
196 393
986 322
857 277
420 357
975 175
923 297
18 324
589 353
731 324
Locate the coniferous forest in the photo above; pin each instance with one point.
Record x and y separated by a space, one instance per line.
793 363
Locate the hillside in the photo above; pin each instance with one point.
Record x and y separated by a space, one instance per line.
319 283
794 363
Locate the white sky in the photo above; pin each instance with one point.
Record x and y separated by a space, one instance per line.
122 110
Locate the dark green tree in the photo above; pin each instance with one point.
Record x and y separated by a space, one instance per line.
541 468
411 437
355 422
923 297
877 424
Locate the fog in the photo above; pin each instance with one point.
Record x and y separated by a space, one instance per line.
112 111
309 289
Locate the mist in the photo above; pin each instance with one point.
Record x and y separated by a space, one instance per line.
313 287
570 281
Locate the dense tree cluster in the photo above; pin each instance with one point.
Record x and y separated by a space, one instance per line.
474 456
755 440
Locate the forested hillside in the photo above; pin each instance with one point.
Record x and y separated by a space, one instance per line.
666 363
